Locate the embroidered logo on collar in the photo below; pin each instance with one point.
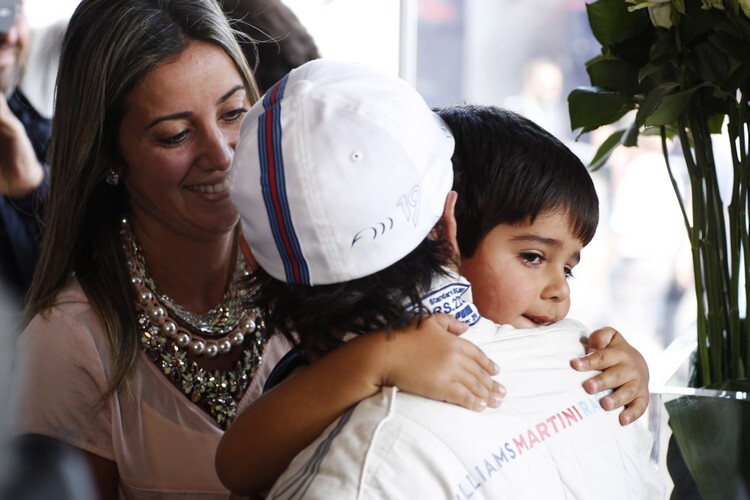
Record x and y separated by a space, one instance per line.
449 299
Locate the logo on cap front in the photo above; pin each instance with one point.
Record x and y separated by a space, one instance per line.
409 203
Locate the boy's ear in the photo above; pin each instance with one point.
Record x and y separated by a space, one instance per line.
449 220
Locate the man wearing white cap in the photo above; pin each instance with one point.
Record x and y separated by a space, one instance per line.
343 180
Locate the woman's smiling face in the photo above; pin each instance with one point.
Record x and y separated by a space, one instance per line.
177 139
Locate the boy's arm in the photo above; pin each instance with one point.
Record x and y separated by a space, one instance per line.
623 369
427 360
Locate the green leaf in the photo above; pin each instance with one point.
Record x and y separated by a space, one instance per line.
716 123
737 79
710 64
697 23
743 27
652 101
732 46
611 73
605 150
592 107
634 42
657 73
664 47
607 19
670 108
711 434
631 135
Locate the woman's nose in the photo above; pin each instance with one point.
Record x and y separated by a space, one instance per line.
217 150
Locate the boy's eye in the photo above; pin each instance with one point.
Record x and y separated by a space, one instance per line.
568 272
532 258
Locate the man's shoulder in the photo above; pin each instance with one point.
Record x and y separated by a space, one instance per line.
24 110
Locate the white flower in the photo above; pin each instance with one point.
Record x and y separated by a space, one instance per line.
712 4
660 11
661 15
640 4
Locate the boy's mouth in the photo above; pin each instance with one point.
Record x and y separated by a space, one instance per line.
540 320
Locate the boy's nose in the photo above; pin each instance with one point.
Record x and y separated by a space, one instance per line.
557 288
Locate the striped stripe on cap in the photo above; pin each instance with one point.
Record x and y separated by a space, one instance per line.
273 185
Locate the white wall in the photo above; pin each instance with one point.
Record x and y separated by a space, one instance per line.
365 31
45 12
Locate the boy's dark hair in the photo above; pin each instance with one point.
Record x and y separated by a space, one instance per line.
508 169
317 317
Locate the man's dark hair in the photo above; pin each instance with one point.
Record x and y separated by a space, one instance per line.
509 170
317 317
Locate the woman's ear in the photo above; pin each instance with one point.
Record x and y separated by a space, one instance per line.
449 221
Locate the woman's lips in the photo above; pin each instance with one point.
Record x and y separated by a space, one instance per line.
219 187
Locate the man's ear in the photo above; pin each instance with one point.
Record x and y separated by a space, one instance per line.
449 221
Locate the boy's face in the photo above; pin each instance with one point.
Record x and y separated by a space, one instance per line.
519 273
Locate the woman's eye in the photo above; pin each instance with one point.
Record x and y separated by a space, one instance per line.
569 272
174 140
235 114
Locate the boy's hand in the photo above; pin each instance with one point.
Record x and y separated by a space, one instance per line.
623 369
432 361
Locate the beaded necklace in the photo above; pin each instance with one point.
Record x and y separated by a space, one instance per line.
168 332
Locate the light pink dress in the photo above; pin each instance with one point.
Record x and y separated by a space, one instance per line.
163 444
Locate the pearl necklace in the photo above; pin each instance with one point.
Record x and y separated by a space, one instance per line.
215 392
221 328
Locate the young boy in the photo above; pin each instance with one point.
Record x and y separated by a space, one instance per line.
353 226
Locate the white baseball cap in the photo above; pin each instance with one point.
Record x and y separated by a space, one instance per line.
340 171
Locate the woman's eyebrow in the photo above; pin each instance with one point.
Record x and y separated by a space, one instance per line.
229 94
173 116
186 114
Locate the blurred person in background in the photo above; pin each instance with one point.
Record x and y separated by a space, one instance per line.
24 136
277 41
649 245
541 98
34 467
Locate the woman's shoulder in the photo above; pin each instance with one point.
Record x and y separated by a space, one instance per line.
70 323
72 297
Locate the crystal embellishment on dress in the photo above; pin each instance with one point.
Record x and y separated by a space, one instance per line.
167 336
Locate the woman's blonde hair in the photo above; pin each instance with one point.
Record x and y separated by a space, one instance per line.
110 46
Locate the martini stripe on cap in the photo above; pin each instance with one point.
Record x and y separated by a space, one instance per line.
273 185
